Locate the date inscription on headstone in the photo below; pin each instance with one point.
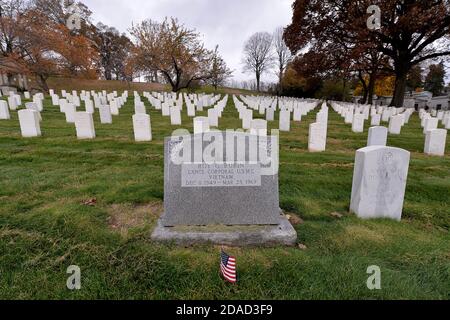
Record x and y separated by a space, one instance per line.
195 175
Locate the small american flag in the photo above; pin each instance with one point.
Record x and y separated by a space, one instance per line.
228 267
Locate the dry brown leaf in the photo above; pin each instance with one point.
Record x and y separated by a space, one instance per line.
91 202
336 215
293 219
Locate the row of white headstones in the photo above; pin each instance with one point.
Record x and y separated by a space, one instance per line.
29 117
290 109
381 172
109 105
435 139
171 105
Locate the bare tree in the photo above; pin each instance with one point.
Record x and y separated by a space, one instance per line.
283 55
258 55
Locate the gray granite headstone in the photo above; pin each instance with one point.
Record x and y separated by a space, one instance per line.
221 178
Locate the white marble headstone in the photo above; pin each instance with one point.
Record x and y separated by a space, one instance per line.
375 120
297 114
199 105
55 100
70 110
285 120
165 109
270 114
84 125
395 124
113 105
435 141
62 105
348 118
37 99
247 117
317 139
258 127
33 106
377 136
201 125
89 106
424 118
322 116
190 110
29 123
4 110
140 108
142 127
430 124
447 123
358 123
386 115
18 99
213 117
379 182
105 114
175 116
12 103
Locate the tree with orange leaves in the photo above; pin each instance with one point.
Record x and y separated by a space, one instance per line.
41 44
412 31
172 50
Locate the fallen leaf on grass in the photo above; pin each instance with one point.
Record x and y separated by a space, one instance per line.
336 215
91 202
294 220
302 246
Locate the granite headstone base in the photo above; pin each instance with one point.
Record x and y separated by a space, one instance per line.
281 234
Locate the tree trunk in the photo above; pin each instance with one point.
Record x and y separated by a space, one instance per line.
10 78
280 84
344 89
364 85
400 88
25 82
371 88
42 81
174 85
108 74
258 76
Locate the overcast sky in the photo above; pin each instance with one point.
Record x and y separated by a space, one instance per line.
227 23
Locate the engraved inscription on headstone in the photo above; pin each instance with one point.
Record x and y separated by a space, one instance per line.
220 175
221 178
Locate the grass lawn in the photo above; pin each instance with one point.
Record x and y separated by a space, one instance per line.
46 226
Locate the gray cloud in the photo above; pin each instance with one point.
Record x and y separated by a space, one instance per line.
227 23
